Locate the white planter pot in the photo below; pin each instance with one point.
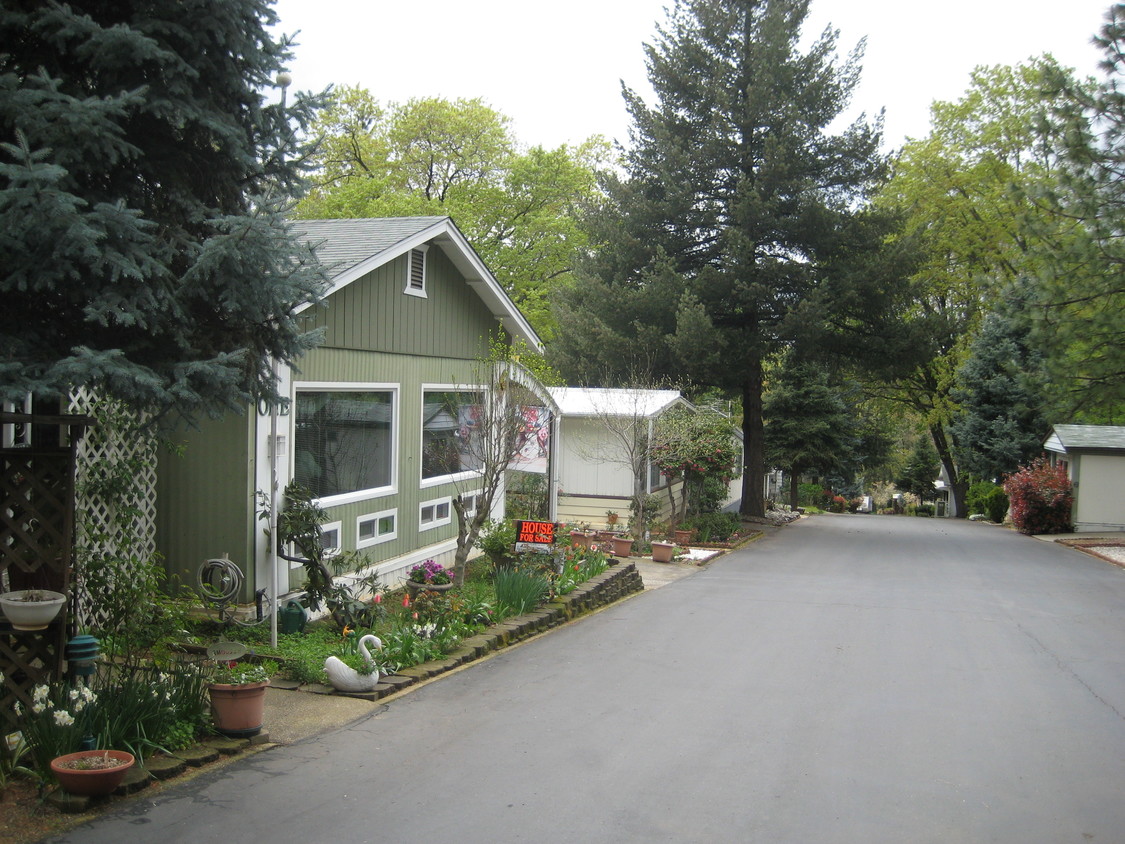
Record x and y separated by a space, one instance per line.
31 615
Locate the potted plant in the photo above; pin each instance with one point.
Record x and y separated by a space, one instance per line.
682 536
31 609
238 696
581 538
429 576
662 552
91 772
611 517
622 545
497 539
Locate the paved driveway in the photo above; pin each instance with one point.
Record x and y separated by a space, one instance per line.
848 679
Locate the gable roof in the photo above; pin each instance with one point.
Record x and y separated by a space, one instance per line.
596 401
1074 438
351 248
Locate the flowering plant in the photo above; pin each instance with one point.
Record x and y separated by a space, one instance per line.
56 723
243 673
431 572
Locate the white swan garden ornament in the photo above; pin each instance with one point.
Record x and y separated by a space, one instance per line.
344 678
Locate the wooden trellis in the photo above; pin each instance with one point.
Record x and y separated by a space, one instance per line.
36 545
122 438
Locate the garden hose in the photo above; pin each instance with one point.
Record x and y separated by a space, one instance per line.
220 580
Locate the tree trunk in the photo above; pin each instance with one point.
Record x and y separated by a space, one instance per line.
753 432
956 485
793 485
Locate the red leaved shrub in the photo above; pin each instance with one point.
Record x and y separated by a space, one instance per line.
1041 498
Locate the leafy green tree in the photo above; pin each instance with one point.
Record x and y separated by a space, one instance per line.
142 173
735 205
962 193
808 425
519 207
999 425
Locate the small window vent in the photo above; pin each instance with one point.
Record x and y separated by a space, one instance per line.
418 269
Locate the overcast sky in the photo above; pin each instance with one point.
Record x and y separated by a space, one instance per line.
556 68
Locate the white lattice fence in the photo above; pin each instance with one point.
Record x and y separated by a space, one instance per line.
118 443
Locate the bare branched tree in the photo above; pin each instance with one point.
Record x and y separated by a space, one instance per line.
504 390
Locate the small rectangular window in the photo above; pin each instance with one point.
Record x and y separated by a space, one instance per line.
432 514
330 538
376 527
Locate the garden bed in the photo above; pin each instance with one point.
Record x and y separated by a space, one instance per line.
600 590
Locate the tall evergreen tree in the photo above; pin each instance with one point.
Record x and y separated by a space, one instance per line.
808 425
1079 294
736 199
144 249
1000 424
921 471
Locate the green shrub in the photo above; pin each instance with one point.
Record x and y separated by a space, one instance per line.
924 510
810 495
714 527
988 499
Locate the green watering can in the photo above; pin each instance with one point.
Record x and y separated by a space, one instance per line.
292 618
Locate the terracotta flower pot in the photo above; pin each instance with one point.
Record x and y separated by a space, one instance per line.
622 546
662 552
579 538
238 711
92 778
682 537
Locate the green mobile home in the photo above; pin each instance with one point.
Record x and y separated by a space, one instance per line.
368 428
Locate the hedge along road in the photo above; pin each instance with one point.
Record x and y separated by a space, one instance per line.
847 679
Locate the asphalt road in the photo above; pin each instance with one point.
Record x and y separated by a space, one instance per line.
848 679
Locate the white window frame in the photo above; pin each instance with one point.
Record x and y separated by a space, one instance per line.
377 537
329 528
411 289
436 521
354 387
425 483
475 495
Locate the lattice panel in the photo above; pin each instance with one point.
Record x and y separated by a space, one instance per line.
34 518
26 660
118 438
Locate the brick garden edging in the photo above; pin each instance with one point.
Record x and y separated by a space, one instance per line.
606 588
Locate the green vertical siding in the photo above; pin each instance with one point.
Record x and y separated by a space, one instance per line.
205 498
373 313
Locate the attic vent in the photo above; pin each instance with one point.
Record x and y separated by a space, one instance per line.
417 280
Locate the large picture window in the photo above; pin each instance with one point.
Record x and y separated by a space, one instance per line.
450 433
344 441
